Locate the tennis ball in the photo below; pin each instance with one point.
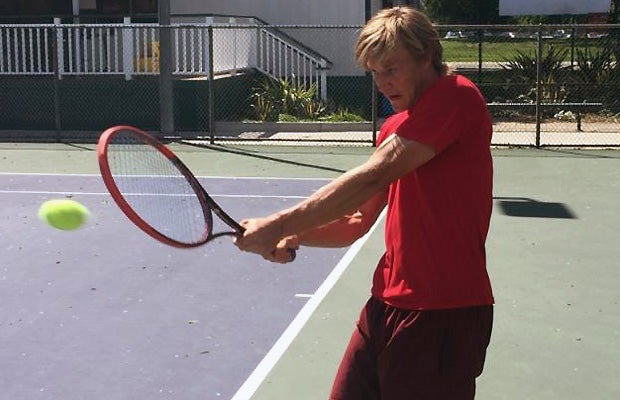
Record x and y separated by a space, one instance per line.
63 214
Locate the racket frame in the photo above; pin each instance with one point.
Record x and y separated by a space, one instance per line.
206 201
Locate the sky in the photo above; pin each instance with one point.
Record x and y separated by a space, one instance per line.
552 7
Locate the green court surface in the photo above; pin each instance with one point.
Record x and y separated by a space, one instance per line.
553 254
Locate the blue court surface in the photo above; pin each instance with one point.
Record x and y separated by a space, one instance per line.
106 312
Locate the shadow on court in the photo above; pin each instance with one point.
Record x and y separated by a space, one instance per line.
530 208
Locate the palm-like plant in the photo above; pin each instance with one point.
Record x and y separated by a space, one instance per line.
553 72
274 100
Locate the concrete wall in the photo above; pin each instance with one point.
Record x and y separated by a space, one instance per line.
315 12
336 44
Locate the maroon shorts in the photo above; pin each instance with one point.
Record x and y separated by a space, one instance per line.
400 354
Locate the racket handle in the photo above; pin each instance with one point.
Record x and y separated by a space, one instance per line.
293 253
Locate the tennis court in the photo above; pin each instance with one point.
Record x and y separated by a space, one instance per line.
108 313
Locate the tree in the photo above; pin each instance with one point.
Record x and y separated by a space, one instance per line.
462 11
614 12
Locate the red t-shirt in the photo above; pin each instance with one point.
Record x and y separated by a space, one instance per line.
438 215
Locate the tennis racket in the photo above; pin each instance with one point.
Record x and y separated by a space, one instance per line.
157 192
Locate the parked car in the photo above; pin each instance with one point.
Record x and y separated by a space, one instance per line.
460 34
453 35
596 35
561 34
509 35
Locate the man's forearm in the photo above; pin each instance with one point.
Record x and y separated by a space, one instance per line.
343 196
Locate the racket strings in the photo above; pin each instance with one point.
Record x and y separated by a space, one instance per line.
156 190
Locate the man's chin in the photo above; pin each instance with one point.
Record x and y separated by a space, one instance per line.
398 108
398 105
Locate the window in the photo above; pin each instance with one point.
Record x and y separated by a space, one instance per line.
113 6
33 11
35 7
392 3
127 7
145 6
8 7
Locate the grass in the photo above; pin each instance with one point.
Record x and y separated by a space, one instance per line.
500 51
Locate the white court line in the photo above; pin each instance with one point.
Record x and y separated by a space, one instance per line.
66 193
58 193
271 178
261 371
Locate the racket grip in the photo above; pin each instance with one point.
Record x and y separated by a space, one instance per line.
293 253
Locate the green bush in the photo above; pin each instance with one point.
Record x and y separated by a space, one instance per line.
595 69
273 98
343 116
287 101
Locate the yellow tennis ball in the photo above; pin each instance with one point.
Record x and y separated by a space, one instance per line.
63 214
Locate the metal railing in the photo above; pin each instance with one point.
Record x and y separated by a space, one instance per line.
545 85
131 49
280 59
25 50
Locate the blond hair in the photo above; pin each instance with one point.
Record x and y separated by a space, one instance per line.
404 26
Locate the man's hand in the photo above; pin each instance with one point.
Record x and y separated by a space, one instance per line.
285 250
261 235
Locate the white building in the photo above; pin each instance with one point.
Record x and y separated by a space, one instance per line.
308 39
313 12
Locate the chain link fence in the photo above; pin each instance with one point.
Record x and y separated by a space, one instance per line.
241 79
545 85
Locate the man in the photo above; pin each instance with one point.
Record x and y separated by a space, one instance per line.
423 333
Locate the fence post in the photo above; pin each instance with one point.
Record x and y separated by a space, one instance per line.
60 49
572 42
166 89
259 42
374 111
58 61
538 84
128 48
207 45
210 87
480 35
323 80
233 21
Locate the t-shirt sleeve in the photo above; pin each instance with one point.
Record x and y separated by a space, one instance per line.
387 129
440 118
